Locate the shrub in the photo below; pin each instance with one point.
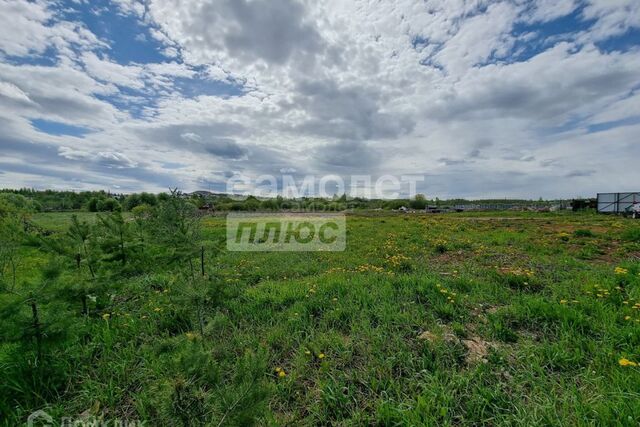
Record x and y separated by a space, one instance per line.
632 235
583 233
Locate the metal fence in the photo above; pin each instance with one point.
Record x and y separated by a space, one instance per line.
616 202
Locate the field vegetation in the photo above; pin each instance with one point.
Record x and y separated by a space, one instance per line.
445 319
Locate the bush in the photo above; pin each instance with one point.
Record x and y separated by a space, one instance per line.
632 235
92 205
109 205
583 233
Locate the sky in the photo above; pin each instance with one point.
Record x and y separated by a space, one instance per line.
485 99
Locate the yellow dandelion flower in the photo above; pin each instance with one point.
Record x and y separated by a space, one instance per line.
282 374
627 362
321 356
627 317
620 271
563 301
106 316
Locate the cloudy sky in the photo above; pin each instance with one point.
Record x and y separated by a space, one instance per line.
484 98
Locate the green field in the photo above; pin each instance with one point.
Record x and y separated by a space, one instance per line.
453 319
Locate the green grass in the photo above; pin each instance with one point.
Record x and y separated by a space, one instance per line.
460 319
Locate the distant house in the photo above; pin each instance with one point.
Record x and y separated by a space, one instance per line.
206 208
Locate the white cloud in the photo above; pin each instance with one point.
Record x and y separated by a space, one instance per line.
397 87
613 17
31 27
9 90
548 10
108 71
478 38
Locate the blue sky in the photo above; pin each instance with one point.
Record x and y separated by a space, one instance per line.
141 95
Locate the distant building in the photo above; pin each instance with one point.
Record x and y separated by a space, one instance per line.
206 208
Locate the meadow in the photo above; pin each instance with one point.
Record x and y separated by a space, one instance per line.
500 318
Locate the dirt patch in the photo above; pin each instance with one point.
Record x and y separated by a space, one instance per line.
428 336
446 336
477 350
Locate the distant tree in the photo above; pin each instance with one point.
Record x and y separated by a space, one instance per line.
148 199
269 204
420 202
92 205
251 204
131 201
109 205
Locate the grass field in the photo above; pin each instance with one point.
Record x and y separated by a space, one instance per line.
454 319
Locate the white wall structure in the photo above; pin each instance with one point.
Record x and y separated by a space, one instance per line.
616 202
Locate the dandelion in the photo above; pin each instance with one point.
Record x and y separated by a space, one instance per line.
157 309
627 362
563 301
282 374
106 316
627 317
321 356
621 271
